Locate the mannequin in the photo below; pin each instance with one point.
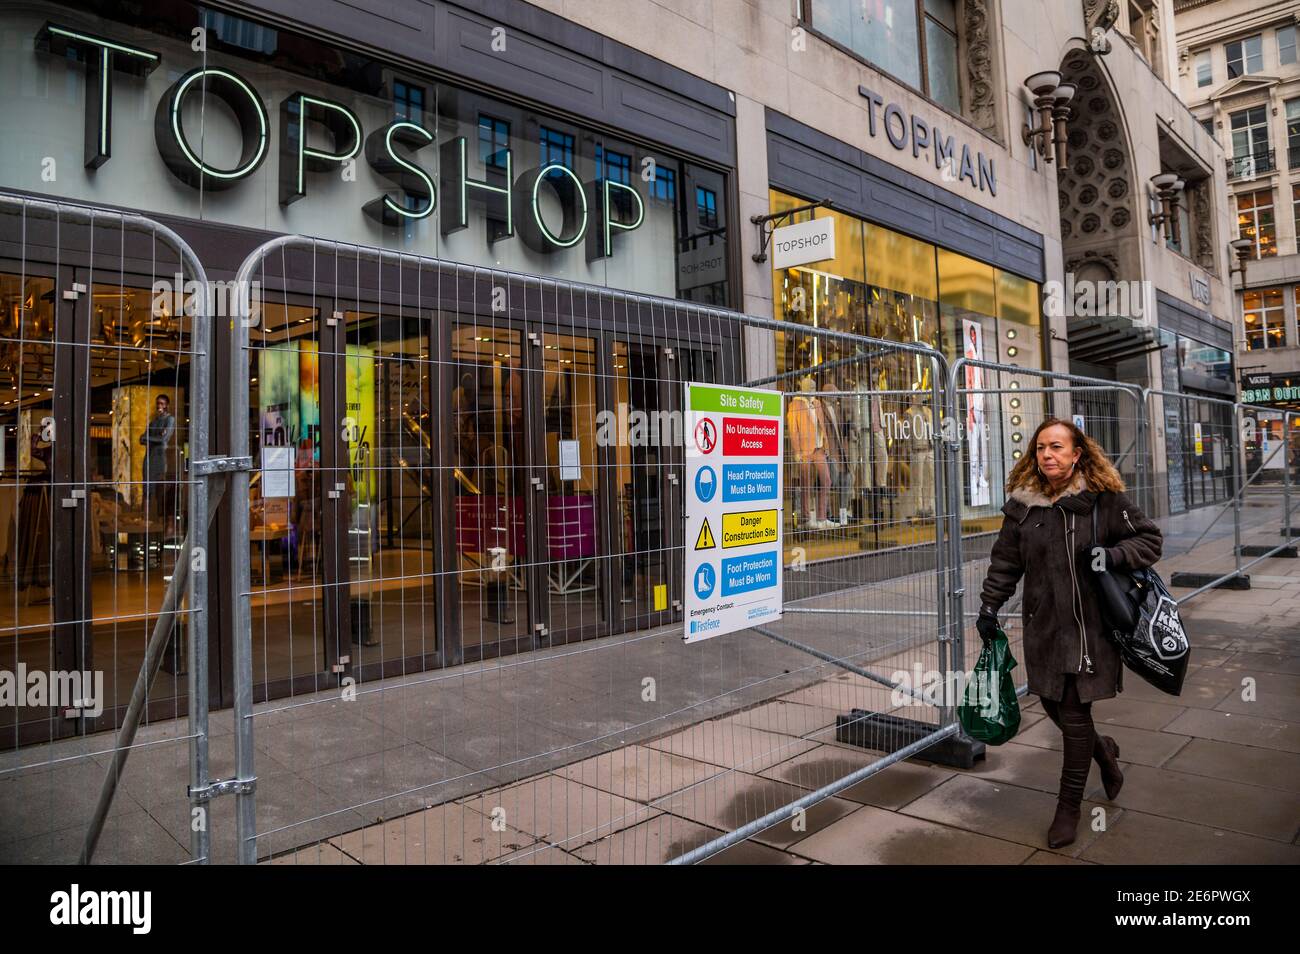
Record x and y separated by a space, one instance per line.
921 435
810 443
873 450
837 460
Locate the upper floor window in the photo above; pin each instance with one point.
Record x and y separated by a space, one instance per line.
1208 125
1245 56
408 102
556 149
615 166
1265 317
493 140
1286 45
1293 132
1255 221
1250 148
915 41
706 203
664 185
1204 69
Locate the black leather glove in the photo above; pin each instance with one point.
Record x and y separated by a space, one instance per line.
987 624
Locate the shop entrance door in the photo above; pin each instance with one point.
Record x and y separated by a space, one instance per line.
95 426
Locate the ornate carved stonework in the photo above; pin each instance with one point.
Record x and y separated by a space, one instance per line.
977 40
1099 215
1105 260
1099 13
1203 241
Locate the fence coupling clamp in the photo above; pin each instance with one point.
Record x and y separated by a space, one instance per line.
220 465
229 786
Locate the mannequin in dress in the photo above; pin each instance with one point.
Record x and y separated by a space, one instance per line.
810 443
921 436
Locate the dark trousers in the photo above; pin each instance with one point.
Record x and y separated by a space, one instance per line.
1079 740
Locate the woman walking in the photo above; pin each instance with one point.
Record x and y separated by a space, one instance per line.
1046 537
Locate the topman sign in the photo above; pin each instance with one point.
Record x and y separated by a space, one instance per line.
907 131
318 135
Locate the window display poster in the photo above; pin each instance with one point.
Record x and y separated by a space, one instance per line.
972 336
289 407
359 421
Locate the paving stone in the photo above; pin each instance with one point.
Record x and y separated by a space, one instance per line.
640 773
1213 802
1239 763
1141 838
652 842
1009 812
447 834
1135 745
816 723
731 745
874 836
1268 662
561 811
1241 729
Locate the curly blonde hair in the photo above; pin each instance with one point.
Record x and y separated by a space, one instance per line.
1097 470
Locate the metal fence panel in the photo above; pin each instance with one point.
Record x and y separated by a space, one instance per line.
451 509
105 340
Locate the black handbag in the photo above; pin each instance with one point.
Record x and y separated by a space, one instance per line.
1142 620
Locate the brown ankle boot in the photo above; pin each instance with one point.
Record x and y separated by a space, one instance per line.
1106 753
1065 825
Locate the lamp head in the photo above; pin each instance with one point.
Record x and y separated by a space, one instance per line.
1044 83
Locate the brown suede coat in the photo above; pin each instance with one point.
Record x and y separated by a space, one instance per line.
1063 629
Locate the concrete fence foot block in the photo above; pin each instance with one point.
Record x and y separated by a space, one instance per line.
1194 581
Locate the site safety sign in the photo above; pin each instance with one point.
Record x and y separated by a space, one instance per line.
734 442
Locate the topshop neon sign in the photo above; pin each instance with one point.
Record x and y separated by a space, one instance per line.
594 211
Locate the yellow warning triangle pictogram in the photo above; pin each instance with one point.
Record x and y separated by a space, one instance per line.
705 540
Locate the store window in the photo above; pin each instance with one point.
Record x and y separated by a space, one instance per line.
1255 221
889 286
1245 56
1265 318
1202 359
1204 69
915 41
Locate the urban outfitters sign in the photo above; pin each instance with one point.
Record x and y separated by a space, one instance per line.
908 131
319 135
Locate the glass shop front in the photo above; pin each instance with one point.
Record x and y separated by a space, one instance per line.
463 507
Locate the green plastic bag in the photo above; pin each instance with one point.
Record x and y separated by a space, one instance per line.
989 710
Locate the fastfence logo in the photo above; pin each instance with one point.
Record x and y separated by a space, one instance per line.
1084 298
94 908
78 693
